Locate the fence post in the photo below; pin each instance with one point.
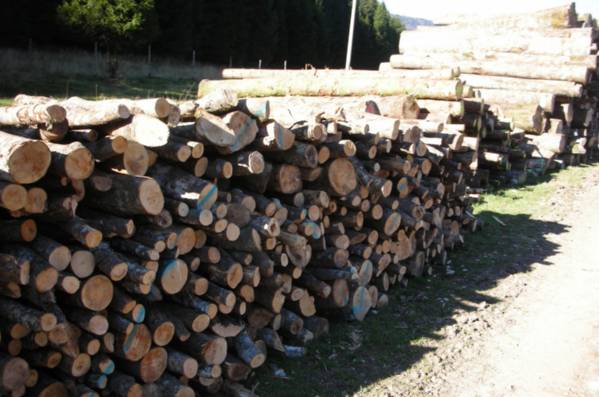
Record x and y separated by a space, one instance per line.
193 57
285 64
260 63
149 53
96 55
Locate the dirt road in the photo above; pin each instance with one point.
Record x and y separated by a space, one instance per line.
541 339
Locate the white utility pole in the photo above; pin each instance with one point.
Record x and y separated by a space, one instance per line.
350 35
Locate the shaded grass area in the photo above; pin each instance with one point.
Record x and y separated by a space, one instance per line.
355 356
90 87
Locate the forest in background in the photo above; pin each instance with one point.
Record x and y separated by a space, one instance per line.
223 32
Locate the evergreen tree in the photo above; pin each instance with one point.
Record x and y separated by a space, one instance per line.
299 31
115 23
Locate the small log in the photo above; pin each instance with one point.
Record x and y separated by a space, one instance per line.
247 350
172 275
130 195
171 386
13 197
207 349
180 185
182 364
150 368
73 160
110 263
58 255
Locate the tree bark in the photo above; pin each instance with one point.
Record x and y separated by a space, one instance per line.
434 89
573 73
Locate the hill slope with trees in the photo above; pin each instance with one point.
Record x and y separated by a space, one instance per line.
239 32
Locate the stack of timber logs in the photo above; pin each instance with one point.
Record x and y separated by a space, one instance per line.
538 72
158 248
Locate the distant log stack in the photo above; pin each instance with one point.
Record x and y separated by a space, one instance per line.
538 72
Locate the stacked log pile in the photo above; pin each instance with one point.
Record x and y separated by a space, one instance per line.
540 77
159 248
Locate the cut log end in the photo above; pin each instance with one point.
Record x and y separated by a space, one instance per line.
60 257
97 292
48 322
173 276
153 365
136 343
190 368
46 279
28 230
342 176
79 164
151 197
13 197
29 162
215 351
163 334
15 373
256 163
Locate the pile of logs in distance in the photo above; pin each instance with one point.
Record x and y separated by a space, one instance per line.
522 89
538 71
157 248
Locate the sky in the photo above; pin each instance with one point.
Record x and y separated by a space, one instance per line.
432 9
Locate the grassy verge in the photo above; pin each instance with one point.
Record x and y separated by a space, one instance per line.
95 87
356 355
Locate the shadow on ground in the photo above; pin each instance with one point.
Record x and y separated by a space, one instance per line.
388 342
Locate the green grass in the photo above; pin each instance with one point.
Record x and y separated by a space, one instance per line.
95 87
355 356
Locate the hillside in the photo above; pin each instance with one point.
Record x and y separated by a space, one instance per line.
411 23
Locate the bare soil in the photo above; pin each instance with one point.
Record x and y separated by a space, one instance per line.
540 336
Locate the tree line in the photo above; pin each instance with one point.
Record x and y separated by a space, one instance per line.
236 32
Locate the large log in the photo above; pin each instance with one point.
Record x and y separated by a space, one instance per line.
453 108
357 112
81 112
563 16
574 73
517 97
32 114
433 89
547 41
219 102
22 160
145 130
155 107
529 117
565 88
438 74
